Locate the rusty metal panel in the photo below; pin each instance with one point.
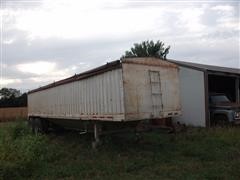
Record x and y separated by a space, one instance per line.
144 94
98 97
156 93
149 61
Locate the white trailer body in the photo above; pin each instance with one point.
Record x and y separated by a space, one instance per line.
129 90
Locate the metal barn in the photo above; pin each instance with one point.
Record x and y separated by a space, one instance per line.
196 82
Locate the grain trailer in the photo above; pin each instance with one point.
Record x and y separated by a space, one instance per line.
121 92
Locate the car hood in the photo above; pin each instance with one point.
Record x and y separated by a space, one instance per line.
230 105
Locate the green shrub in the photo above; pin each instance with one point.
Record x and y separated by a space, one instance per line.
18 130
20 152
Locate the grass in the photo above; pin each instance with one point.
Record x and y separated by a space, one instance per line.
196 154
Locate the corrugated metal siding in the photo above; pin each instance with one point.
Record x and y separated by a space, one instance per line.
138 92
97 97
192 97
123 94
170 88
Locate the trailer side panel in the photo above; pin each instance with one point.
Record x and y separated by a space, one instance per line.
99 97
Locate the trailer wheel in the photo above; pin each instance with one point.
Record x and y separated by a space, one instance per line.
57 128
44 125
39 125
29 122
36 125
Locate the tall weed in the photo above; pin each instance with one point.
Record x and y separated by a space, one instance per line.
20 151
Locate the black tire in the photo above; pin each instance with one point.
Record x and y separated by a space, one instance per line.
36 126
29 122
57 128
39 125
44 125
220 120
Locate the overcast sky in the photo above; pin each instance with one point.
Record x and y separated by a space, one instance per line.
44 41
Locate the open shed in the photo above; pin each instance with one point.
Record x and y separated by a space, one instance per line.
197 81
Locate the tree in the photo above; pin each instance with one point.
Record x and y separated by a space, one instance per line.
6 93
12 98
148 49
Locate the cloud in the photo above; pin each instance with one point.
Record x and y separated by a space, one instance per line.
63 23
56 39
21 4
191 19
8 41
5 81
227 8
41 73
38 67
42 79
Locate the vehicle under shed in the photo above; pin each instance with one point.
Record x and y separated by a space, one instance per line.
223 84
197 82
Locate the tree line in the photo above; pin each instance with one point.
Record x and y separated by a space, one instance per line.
10 97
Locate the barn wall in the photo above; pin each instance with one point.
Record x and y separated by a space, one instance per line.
192 96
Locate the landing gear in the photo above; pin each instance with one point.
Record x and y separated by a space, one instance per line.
97 128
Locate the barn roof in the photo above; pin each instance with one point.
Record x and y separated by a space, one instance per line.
205 67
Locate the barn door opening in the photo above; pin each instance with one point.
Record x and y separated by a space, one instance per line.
156 94
224 85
